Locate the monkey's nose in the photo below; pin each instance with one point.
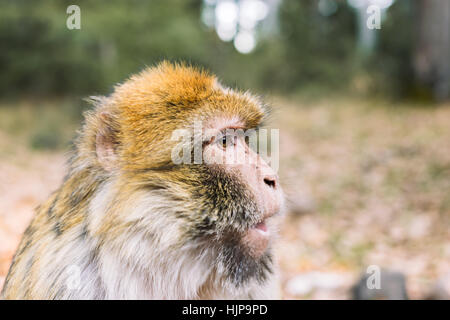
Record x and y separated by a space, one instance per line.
271 181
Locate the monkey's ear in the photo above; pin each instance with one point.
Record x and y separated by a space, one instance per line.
106 142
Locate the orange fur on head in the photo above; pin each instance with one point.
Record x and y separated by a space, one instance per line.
150 105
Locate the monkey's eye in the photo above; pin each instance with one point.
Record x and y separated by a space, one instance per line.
227 140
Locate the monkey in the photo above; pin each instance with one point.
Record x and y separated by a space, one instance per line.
129 223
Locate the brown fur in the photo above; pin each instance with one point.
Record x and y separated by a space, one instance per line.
135 124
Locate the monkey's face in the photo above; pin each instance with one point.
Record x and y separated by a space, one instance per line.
238 198
225 203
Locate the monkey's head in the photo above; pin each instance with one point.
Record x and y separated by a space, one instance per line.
171 146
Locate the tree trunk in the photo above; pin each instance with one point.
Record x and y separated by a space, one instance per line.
432 52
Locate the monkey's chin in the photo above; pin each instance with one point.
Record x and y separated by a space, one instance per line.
256 239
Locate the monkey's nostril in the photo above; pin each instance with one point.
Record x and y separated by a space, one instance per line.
270 182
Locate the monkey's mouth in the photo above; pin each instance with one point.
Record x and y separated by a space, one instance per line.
256 239
261 228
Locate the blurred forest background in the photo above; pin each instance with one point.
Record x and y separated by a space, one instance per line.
364 117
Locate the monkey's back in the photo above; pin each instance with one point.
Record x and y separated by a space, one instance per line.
51 248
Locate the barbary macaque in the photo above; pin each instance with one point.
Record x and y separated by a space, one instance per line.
128 222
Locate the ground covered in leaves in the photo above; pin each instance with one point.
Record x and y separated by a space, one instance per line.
367 183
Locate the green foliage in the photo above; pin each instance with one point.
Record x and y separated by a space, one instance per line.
319 49
391 64
309 52
41 56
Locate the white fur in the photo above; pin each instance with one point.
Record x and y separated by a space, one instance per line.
152 263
